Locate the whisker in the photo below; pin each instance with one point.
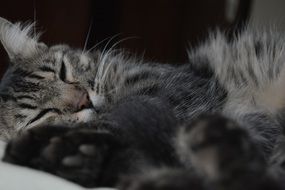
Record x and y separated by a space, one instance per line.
123 40
96 45
87 36
106 72
104 66
102 70
102 62
113 90
105 48
118 42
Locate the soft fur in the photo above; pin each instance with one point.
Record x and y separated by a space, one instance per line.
98 118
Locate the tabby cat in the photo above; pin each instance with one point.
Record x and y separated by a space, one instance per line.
105 119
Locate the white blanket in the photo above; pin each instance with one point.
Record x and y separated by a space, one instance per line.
14 177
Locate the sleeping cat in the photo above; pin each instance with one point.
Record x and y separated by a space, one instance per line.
101 118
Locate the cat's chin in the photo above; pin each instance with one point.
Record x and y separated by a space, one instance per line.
97 100
85 115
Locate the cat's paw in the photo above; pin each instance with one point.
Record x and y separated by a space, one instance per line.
219 149
76 154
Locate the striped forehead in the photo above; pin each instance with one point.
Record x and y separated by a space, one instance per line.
25 81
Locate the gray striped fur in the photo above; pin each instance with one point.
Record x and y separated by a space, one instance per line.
242 79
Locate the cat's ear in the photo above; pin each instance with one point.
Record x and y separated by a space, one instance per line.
18 40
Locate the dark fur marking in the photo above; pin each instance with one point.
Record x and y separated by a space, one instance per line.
25 97
20 116
203 69
138 78
149 90
258 48
27 106
25 86
7 97
47 69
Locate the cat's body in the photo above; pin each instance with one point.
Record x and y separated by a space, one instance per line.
238 81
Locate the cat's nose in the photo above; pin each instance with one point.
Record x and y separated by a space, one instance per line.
84 102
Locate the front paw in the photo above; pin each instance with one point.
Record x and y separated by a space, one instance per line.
75 154
26 149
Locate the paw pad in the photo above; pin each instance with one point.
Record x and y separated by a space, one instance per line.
88 150
72 161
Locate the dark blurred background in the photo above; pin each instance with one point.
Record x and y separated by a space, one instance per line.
158 30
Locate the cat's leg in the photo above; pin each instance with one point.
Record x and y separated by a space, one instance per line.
277 160
217 154
82 155
223 153
264 130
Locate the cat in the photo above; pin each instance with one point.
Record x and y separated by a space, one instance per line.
98 118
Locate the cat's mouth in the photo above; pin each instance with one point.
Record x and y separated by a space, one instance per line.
86 111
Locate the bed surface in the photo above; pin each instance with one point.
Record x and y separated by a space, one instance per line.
14 177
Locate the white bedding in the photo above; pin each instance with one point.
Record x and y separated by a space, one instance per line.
20 178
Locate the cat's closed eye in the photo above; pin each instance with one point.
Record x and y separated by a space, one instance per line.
43 115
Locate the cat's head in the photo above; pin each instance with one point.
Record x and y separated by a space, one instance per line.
43 84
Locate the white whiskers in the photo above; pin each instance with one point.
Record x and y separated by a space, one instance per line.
96 45
87 36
